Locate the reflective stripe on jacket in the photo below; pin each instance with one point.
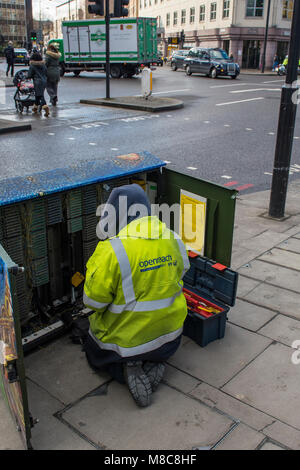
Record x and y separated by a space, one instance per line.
134 282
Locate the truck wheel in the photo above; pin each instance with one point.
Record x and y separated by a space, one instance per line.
115 71
62 70
76 73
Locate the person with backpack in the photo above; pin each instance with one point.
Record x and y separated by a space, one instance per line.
38 72
9 53
53 72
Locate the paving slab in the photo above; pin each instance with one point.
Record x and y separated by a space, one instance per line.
246 285
61 368
271 446
284 434
270 384
231 406
297 235
243 256
220 360
263 241
249 316
276 275
173 421
292 244
280 300
282 258
10 438
178 379
153 104
50 433
282 329
241 438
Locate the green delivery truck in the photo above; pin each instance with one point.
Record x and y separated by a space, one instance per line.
133 42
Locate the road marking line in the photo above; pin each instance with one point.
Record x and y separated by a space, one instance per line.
71 138
241 101
191 168
249 129
235 84
267 173
231 183
169 91
226 177
92 143
245 186
255 89
51 133
227 125
297 138
167 161
206 122
271 133
274 81
114 148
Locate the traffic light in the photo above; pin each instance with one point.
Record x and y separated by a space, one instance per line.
119 9
33 36
97 9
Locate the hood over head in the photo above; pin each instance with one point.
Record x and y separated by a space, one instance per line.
124 205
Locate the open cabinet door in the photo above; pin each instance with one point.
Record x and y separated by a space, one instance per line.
12 372
217 208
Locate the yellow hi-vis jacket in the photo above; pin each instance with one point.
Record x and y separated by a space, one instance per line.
134 284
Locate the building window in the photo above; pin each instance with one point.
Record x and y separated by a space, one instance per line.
192 15
213 11
175 18
202 13
145 3
287 11
155 2
168 19
141 5
226 8
255 8
183 16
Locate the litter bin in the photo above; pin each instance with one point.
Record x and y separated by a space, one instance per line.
48 226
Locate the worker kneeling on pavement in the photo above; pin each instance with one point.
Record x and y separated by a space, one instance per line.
134 285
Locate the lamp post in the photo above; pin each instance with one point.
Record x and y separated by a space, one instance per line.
286 124
266 38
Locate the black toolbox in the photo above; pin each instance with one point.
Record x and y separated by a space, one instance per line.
210 288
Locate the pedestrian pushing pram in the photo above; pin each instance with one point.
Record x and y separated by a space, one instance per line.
25 95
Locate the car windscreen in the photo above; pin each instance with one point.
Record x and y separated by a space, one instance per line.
218 54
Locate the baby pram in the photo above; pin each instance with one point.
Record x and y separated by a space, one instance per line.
24 96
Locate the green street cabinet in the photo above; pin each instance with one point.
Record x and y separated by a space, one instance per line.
48 232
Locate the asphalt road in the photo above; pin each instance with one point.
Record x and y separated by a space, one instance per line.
226 132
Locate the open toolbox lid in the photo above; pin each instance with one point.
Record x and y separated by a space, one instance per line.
211 279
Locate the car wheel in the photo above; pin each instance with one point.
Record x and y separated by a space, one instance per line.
173 66
233 77
213 73
188 70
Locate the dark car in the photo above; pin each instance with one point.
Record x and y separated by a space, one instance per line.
21 56
211 62
177 59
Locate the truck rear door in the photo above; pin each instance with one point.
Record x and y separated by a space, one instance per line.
147 40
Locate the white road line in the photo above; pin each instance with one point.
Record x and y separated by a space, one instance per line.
51 133
235 84
167 161
274 81
255 89
114 148
249 129
170 91
191 168
226 177
241 101
206 122
227 125
267 173
271 133
92 143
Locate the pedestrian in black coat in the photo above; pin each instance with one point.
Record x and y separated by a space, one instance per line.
53 72
38 72
9 53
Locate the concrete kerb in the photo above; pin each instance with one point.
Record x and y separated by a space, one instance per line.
7 127
153 105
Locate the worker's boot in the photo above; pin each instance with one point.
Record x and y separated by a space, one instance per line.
138 383
155 372
46 109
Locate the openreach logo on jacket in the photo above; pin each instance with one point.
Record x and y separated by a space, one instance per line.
156 263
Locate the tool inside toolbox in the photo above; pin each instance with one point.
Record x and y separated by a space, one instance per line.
201 306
